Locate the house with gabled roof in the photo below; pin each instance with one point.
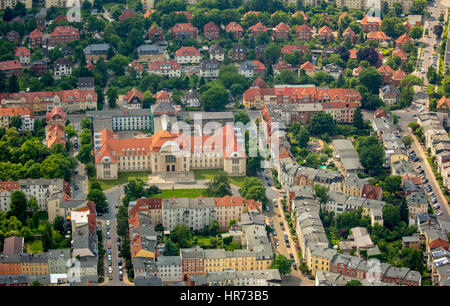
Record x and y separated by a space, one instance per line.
281 31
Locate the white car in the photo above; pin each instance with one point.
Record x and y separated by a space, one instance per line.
439 213
107 222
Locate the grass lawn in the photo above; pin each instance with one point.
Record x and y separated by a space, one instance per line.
208 174
203 241
124 177
35 247
180 193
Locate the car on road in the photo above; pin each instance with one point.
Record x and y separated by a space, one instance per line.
109 263
277 243
294 265
288 245
109 256
110 270
291 256
274 232
109 252
76 187
425 180
119 262
108 235
109 245
439 213
107 222
431 194
282 226
433 200
120 277
311 277
418 167
99 214
275 203
110 277
437 206
117 206
76 171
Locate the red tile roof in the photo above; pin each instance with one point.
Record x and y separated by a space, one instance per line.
154 66
305 17
55 134
377 35
353 53
399 75
9 185
234 27
400 53
10 65
443 101
22 51
16 111
303 28
36 34
64 31
251 12
287 49
385 69
186 13
132 93
259 83
183 27
325 30
308 66
405 38
371 20
259 27
187 51
282 27
224 141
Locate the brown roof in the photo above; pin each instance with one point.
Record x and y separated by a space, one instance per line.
13 245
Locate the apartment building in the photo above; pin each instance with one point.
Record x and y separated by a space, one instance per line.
169 268
25 114
187 55
151 53
63 35
44 101
171 69
10 68
12 3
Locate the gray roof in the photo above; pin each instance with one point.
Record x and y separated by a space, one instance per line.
147 280
191 203
194 252
210 64
150 49
96 49
168 261
390 89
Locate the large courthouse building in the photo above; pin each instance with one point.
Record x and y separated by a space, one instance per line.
169 152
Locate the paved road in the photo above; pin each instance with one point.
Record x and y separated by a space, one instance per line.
430 39
295 278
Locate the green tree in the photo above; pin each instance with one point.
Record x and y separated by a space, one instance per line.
16 122
416 32
70 131
181 236
219 186
241 116
99 198
321 193
171 249
18 205
353 282
283 264
322 123
371 78
391 216
215 98
112 94
407 140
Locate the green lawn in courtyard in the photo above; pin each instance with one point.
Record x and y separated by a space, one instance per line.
123 178
208 174
181 193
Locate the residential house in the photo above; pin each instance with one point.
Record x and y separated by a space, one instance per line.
303 32
258 28
183 30
370 23
22 54
25 114
211 31
62 67
155 33
281 32
402 41
63 35
170 69
95 51
133 99
325 34
187 55
390 94
151 53
86 83
252 68
13 67
235 29
191 99
216 52
238 53
209 68
36 38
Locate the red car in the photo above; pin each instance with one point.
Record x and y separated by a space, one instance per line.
109 245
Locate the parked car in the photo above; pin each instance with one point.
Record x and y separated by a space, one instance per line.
425 180
277 243
110 270
294 265
437 206
109 245
431 194
110 277
439 213
121 277
291 255
117 206
274 232
109 263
